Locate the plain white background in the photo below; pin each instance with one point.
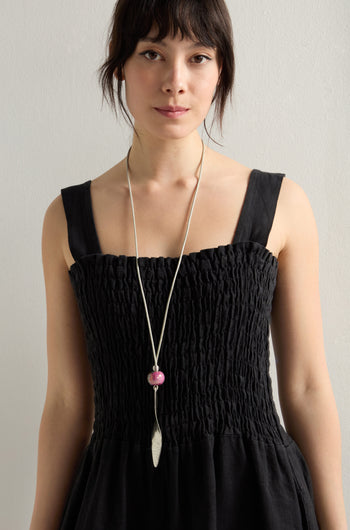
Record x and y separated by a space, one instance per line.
290 114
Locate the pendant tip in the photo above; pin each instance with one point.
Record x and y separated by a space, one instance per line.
156 445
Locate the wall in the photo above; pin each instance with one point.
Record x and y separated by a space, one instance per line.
290 114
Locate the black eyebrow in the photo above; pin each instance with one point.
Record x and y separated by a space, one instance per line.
196 44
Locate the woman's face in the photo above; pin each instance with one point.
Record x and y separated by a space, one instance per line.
173 72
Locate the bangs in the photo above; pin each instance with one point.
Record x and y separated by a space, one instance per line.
190 18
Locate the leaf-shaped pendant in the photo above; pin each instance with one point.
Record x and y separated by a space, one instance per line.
156 444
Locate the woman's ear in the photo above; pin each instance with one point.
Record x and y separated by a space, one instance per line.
114 73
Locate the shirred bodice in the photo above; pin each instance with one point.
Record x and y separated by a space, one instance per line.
215 349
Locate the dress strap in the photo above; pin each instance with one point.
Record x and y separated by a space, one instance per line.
82 236
259 207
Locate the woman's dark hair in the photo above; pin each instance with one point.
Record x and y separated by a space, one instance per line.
207 20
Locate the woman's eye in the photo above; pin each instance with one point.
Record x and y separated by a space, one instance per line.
149 52
203 57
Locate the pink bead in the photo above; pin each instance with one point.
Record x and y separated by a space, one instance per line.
156 378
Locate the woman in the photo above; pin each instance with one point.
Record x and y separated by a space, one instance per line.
166 356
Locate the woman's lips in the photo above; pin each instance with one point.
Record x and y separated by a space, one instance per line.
172 114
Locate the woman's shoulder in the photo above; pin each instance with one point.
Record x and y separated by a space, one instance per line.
293 208
293 195
297 213
293 213
54 229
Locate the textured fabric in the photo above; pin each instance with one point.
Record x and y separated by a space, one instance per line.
226 463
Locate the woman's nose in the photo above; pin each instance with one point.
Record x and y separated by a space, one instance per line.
175 78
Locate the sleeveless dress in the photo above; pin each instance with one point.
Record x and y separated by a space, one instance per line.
226 462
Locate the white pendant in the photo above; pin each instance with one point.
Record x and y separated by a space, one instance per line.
156 444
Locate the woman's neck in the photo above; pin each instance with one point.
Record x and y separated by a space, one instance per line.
157 162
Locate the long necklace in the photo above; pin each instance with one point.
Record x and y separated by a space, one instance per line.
157 377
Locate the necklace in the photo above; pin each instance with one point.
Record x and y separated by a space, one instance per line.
157 377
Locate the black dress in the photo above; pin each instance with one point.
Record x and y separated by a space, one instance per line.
226 462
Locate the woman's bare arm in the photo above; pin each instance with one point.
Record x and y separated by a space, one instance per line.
67 418
306 397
